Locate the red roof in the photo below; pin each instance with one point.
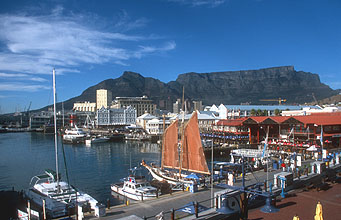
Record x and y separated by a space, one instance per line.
231 122
317 118
320 119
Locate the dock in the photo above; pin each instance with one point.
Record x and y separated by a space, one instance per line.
171 204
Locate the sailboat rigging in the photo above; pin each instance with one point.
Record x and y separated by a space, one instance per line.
48 189
190 158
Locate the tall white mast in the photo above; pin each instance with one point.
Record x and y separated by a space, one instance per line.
55 125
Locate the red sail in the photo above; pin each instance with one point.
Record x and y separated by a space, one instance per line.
170 156
193 158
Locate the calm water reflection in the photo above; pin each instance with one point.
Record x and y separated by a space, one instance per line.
91 169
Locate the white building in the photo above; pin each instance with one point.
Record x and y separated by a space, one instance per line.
156 125
84 106
143 119
309 111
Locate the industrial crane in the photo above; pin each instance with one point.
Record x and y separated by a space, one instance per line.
279 100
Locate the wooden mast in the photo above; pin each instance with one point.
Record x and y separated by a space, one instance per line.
182 132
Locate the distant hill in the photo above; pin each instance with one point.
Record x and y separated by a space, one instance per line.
232 87
335 100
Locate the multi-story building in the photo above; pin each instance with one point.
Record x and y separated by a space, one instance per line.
84 106
143 119
111 116
141 104
157 125
197 106
177 106
103 98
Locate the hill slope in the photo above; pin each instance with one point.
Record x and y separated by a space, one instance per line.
232 87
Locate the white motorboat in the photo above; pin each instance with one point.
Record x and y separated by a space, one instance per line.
135 189
74 135
96 139
57 195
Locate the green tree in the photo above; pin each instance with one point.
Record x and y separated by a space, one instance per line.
253 112
259 112
277 112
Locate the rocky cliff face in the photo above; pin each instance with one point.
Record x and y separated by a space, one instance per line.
233 87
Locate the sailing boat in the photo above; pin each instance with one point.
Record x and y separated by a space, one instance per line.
47 188
190 158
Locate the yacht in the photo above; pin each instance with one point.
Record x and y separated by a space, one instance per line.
74 135
49 192
59 196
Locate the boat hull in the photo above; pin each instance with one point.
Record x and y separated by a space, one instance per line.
161 176
54 208
117 188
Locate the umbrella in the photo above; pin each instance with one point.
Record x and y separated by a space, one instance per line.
189 208
312 148
192 176
296 218
318 212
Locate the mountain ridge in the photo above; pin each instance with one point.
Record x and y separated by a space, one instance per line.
227 87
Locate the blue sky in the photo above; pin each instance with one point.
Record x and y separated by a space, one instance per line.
89 41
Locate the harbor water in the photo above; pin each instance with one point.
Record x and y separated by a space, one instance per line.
91 169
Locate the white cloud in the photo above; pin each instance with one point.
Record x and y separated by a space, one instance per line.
21 87
21 76
196 3
36 44
33 45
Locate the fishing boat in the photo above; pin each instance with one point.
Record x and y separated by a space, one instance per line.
189 157
52 194
135 188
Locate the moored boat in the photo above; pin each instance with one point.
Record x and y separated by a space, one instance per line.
49 192
74 135
59 196
135 188
96 139
188 157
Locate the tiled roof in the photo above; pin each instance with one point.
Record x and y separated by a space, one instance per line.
321 118
318 119
231 122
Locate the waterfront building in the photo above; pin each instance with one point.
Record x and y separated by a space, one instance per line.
205 121
84 107
45 118
38 120
309 111
295 130
103 98
141 104
157 125
212 108
143 119
237 111
111 116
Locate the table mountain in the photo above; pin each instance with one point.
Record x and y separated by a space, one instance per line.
231 87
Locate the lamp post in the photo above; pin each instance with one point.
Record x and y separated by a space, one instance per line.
212 164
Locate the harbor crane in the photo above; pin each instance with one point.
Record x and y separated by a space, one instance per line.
279 100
